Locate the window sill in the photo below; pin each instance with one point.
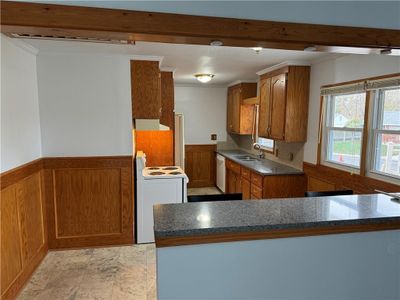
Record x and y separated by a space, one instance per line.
341 167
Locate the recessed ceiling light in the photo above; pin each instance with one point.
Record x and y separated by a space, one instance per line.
257 49
386 51
204 78
310 48
216 43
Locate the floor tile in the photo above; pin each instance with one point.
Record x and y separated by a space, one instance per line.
127 272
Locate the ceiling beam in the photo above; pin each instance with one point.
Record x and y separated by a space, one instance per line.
114 24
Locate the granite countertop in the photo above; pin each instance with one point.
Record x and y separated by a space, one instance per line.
261 166
226 217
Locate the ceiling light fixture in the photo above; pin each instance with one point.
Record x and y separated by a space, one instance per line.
310 48
204 78
257 49
216 43
386 51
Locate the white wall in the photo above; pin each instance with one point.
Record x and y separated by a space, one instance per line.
20 125
204 110
344 68
85 104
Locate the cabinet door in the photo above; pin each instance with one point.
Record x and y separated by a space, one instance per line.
246 189
230 181
238 183
167 100
236 109
145 90
229 109
278 107
265 108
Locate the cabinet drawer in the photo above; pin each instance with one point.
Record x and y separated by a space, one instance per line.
232 166
257 179
256 191
245 173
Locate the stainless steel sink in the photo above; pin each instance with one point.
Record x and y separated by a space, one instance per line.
245 157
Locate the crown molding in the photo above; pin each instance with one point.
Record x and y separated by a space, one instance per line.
284 64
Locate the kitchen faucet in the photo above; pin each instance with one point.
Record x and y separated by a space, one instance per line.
261 154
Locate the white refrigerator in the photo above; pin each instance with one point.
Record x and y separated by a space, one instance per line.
179 141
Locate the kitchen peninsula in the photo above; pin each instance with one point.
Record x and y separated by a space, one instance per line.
298 248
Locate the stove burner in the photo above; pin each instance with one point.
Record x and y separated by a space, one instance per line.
170 168
157 173
154 168
175 173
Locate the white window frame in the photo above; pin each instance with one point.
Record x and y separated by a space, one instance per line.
376 120
328 128
267 149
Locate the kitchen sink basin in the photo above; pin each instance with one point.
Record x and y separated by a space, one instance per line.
246 158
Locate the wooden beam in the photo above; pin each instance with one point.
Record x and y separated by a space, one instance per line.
113 24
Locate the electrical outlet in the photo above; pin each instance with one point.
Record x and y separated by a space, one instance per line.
290 156
213 137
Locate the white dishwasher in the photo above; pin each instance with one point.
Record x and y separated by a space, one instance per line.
221 172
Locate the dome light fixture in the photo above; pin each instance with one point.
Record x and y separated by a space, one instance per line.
204 78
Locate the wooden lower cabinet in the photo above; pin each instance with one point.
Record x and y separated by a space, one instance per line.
233 182
246 189
255 186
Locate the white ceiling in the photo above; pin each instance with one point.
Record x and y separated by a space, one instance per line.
229 64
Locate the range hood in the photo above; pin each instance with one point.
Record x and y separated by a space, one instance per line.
149 124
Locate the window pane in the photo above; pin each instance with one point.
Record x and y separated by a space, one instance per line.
266 143
349 110
387 154
391 109
344 147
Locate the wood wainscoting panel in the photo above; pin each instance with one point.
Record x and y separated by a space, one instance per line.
200 165
342 180
31 216
318 185
158 145
23 227
89 201
11 257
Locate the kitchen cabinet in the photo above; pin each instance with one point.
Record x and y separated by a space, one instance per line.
240 116
233 177
255 186
145 89
284 97
167 100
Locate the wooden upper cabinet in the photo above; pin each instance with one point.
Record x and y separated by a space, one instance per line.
167 100
265 110
145 89
284 97
278 107
240 117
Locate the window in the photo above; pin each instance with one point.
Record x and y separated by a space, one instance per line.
360 127
386 132
343 129
266 144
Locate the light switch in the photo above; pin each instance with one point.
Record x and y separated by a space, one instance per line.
213 137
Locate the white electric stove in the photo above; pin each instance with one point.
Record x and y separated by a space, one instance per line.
156 185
